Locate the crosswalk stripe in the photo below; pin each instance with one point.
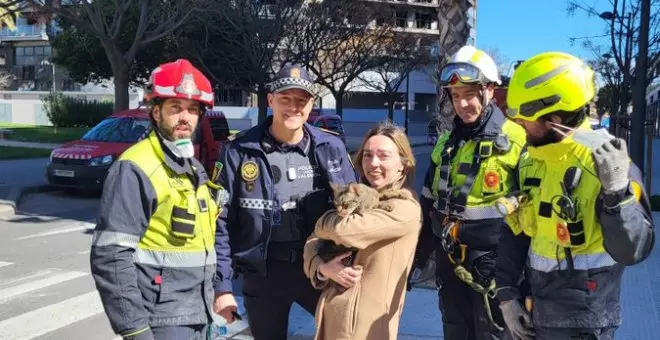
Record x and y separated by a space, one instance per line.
84 226
4 264
50 318
9 293
38 274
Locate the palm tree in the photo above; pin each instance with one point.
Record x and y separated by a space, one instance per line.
8 12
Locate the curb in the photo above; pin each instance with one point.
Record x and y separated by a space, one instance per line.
9 205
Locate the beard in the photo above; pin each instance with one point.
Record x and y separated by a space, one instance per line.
169 132
549 138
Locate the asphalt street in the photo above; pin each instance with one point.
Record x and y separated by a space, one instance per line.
46 290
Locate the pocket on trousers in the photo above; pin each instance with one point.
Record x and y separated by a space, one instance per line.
354 304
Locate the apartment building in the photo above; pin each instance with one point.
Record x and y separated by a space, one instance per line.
421 18
25 53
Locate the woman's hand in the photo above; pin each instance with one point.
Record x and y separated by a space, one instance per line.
336 271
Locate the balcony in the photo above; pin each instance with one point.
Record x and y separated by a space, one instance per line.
419 3
24 33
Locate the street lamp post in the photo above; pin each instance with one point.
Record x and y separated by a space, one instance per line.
639 99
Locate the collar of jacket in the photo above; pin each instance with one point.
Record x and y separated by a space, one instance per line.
490 128
556 151
176 164
252 137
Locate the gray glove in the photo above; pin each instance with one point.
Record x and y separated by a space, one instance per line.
613 164
517 320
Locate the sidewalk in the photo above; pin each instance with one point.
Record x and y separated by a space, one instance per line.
640 305
7 142
18 177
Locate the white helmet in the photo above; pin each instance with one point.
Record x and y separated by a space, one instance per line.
469 66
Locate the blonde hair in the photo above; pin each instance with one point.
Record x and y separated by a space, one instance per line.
400 139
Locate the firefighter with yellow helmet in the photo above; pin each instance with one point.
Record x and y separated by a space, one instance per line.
152 256
581 216
472 166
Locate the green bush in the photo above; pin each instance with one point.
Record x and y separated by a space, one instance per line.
64 111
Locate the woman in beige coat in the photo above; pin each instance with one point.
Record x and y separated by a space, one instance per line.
364 301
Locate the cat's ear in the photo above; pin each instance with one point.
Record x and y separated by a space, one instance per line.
353 187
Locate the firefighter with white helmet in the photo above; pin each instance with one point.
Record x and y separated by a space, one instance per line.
472 166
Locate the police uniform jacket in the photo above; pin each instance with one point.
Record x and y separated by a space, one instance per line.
249 204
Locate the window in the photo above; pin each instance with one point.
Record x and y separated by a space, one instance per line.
31 55
401 19
423 20
122 130
234 97
220 128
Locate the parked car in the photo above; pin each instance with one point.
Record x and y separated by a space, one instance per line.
331 123
432 133
84 163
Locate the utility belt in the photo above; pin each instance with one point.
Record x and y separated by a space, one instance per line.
475 267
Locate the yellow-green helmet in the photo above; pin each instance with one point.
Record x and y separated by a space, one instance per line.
549 82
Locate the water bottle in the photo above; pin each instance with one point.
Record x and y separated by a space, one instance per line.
216 331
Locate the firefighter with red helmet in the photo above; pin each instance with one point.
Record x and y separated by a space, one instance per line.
152 256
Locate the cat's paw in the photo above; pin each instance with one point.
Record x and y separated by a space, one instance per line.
384 206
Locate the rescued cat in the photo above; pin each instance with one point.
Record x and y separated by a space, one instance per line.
354 198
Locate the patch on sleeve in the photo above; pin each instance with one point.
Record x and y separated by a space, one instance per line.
216 171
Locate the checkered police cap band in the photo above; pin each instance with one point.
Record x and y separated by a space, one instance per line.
286 83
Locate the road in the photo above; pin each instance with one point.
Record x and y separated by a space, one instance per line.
46 290
47 293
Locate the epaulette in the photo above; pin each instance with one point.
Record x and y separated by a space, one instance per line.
237 135
330 132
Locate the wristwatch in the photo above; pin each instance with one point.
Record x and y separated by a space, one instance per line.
611 201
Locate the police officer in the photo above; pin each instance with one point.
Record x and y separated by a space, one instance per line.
152 256
583 214
472 165
277 179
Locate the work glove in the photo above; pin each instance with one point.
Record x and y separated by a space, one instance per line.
613 164
517 320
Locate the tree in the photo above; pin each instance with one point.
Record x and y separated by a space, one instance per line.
402 57
9 9
608 99
615 59
239 42
86 60
108 20
338 41
6 78
454 33
502 62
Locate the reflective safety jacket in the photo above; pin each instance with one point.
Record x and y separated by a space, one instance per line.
152 255
465 178
574 246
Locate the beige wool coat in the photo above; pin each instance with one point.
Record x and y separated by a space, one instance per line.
371 309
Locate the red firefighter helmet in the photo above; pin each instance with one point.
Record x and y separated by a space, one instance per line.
179 79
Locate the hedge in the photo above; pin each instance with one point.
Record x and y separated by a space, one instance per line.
64 111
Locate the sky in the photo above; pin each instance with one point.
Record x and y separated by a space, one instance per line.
520 29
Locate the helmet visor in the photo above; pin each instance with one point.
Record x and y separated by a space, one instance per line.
460 72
